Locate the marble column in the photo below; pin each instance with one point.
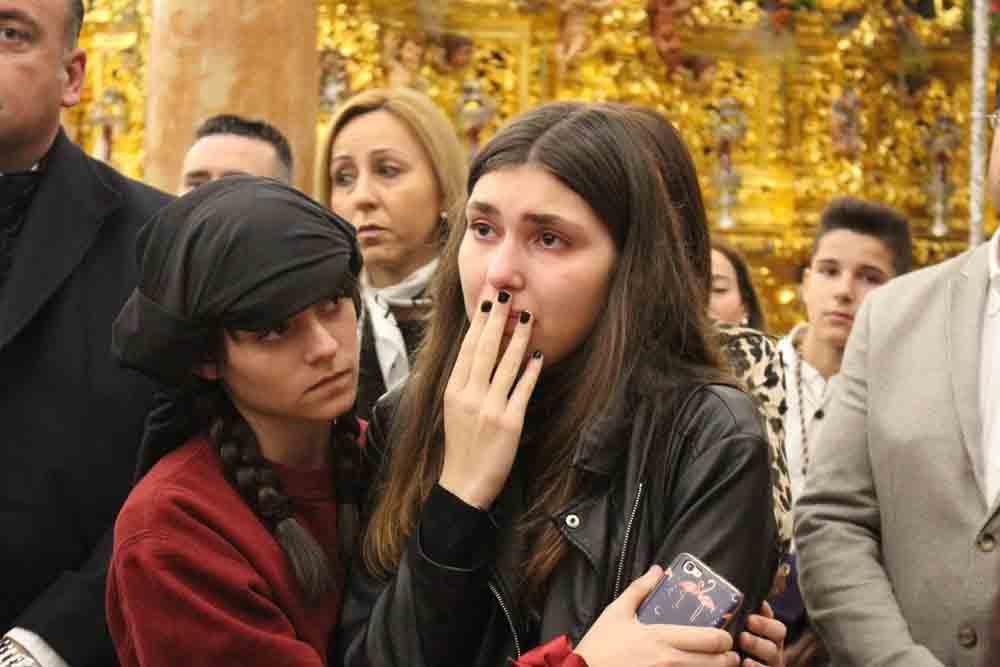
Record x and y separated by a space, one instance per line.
252 58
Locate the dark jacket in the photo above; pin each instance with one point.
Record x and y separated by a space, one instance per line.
72 418
371 386
691 474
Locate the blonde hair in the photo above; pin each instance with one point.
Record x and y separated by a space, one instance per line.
433 130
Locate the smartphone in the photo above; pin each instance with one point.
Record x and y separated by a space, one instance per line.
690 593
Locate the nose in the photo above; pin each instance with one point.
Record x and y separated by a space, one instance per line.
505 269
321 344
846 287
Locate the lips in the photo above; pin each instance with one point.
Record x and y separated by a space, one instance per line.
513 321
330 379
840 316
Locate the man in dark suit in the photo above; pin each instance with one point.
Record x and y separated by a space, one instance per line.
71 419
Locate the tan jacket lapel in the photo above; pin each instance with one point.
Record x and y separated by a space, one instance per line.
967 303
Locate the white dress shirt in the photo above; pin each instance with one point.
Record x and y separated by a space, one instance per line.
814 397
989 377
39 649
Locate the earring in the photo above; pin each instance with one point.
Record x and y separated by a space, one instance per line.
443 226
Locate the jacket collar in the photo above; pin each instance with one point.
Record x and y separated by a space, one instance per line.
605 440
63 221
966 304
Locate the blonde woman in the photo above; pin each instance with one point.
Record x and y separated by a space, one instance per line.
392 165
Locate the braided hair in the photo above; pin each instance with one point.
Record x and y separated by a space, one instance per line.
241 253
260 487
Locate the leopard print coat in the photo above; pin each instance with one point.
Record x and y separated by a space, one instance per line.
754 359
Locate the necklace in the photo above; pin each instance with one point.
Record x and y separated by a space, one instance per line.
819 414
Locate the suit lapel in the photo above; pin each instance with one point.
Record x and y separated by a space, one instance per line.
62 224
967 302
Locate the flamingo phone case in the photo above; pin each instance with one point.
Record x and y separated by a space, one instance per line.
690 593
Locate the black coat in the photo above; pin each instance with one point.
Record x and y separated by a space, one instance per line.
703 467
71 418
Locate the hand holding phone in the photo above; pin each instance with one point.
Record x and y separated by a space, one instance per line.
616 639
691 593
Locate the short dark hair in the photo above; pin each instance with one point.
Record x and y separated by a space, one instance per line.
253 129
871 219
748 295
74 21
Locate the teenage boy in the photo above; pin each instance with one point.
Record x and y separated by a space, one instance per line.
859 246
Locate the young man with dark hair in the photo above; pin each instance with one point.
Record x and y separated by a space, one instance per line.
72 418
228 144
859 246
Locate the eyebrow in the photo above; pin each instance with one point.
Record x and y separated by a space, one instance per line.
20 15
387 150
550 219
865 267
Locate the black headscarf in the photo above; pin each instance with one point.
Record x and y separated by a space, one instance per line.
240 253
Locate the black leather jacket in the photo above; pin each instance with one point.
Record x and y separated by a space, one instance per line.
697 483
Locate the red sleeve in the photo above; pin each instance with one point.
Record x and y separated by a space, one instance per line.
556 653
194 600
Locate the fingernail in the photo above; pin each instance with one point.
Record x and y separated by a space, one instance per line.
537 354
487 306
503 297
525 317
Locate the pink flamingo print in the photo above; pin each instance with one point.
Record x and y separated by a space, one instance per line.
689 588
704 600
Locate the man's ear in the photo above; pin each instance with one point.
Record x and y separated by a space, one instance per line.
804 284
207 371
73 74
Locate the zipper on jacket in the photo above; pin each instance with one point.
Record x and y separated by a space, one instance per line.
510 619
628 534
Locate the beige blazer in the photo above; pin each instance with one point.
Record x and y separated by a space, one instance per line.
898 549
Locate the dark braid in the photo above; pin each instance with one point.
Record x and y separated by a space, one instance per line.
348 464
260 487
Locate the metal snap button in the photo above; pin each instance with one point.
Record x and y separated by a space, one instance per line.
573 521
967 636
986 542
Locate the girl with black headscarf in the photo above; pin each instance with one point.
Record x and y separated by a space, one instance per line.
231 548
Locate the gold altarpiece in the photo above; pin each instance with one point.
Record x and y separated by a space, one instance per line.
783 103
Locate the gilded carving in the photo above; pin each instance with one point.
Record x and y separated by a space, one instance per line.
784 103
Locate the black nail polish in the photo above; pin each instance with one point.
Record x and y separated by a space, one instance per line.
525 317
503 297
537 354
487 306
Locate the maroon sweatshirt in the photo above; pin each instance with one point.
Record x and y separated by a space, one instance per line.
196 578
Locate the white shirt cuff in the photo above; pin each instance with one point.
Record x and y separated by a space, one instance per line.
39 649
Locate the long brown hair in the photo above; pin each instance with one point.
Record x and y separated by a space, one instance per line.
653 319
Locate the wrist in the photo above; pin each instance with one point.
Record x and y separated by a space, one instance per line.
13 654
468 492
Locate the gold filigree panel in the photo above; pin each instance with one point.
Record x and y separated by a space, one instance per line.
783 109
109 121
